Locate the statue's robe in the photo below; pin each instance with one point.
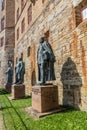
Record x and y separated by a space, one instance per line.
46 56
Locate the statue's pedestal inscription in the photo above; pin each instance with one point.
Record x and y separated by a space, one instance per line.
18 91
44 98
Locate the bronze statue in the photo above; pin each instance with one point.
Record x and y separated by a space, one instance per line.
19 72
9 74
45 60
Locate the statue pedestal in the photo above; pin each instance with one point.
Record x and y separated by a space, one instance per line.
18 91
8 88
44 98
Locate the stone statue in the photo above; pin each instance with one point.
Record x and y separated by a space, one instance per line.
19 72
9 74
45 60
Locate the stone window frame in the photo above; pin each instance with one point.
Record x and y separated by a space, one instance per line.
23 25
29 14
2 23
78 12
85 7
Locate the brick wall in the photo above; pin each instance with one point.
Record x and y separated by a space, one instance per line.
7 50
68 41
10 13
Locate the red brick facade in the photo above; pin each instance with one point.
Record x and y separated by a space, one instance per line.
7 37
68 38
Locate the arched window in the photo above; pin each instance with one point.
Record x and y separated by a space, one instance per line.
84 13
81 12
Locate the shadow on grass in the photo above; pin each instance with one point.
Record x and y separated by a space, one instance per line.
17 114
26 97
68 108
3 91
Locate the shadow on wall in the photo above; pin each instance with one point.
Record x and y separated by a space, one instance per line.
33 78
72 83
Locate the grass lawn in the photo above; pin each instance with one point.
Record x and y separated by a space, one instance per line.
16 119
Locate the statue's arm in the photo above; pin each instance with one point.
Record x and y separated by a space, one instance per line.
47 48
7 71
21 65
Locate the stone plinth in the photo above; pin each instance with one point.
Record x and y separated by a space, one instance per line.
44 98
8 88
18 91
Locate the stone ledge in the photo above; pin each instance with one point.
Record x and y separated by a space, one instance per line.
36 114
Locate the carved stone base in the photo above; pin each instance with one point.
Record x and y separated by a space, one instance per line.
8 88
18 91
44 98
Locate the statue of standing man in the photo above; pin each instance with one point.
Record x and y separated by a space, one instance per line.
9 74
19 72
45 60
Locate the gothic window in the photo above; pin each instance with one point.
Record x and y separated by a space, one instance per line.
81 12
2 24
30 14
23 25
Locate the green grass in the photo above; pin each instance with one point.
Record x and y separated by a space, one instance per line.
16 119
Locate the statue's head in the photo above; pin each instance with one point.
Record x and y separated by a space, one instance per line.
46 38
9 64
41 40
20 59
